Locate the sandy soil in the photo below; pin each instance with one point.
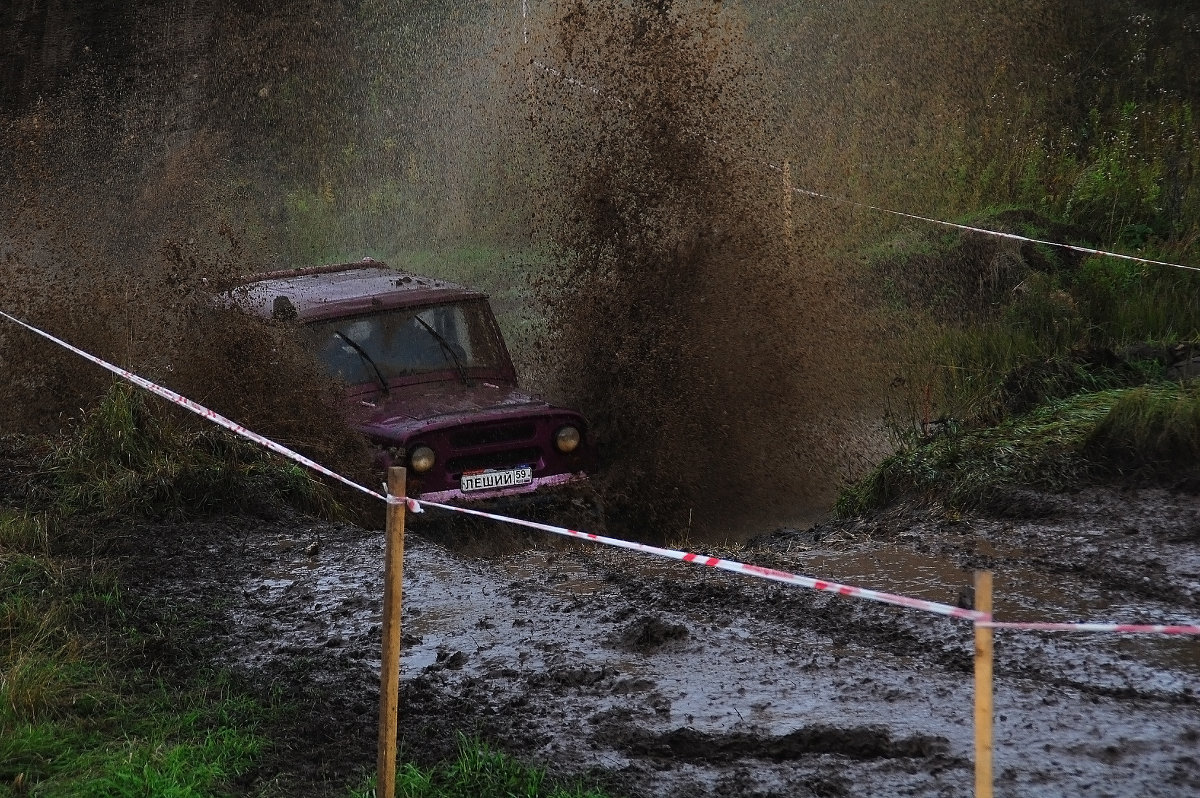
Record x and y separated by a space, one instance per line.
655 678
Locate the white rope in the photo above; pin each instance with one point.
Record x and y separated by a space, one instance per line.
986 231
575 82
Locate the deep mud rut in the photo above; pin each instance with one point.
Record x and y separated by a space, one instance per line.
657 678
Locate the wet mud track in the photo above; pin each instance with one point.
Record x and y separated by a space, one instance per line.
658 678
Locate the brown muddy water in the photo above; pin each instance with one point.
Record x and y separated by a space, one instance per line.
657 678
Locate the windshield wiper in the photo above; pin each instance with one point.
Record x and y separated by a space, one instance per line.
366 358
462 372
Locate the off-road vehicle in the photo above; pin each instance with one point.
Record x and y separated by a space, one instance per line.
428 378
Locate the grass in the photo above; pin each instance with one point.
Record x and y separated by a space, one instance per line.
79 716
128 457
1037 369
479 771
1150 430
993 371
82 715
80 712
995 329
122 739
21 530
1146 432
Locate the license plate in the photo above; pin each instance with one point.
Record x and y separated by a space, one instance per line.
491 480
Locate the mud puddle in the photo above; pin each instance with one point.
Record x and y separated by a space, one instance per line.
656 678
1018 595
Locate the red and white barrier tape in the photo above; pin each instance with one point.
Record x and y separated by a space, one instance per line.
986 231
199 410
1119 628
732 565
416 506
980 618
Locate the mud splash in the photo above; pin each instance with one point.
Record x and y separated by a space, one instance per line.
231 140
696 332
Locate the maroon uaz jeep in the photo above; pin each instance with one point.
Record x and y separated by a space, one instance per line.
429 379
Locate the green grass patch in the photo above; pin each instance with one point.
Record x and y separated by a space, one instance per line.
128 739
479 771
79 713
86 709
1150 431
992 371
54 624
22 531
79 716
127 456
995 329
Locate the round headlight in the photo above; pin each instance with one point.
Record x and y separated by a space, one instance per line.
422 459
566 440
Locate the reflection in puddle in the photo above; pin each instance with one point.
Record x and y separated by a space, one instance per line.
891 570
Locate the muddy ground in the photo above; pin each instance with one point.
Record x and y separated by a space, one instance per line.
656 678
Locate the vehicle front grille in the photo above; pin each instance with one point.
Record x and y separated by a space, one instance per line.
486 435
498 460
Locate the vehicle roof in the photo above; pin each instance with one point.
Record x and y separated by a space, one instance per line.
346 289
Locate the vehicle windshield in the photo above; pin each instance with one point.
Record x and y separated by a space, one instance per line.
458 337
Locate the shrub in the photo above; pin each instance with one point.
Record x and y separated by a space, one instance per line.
1152 431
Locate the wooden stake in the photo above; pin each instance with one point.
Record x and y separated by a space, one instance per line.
389 669
983 688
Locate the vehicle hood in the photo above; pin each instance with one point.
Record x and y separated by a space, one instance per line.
422 407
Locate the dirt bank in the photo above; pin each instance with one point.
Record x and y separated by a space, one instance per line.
656 678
